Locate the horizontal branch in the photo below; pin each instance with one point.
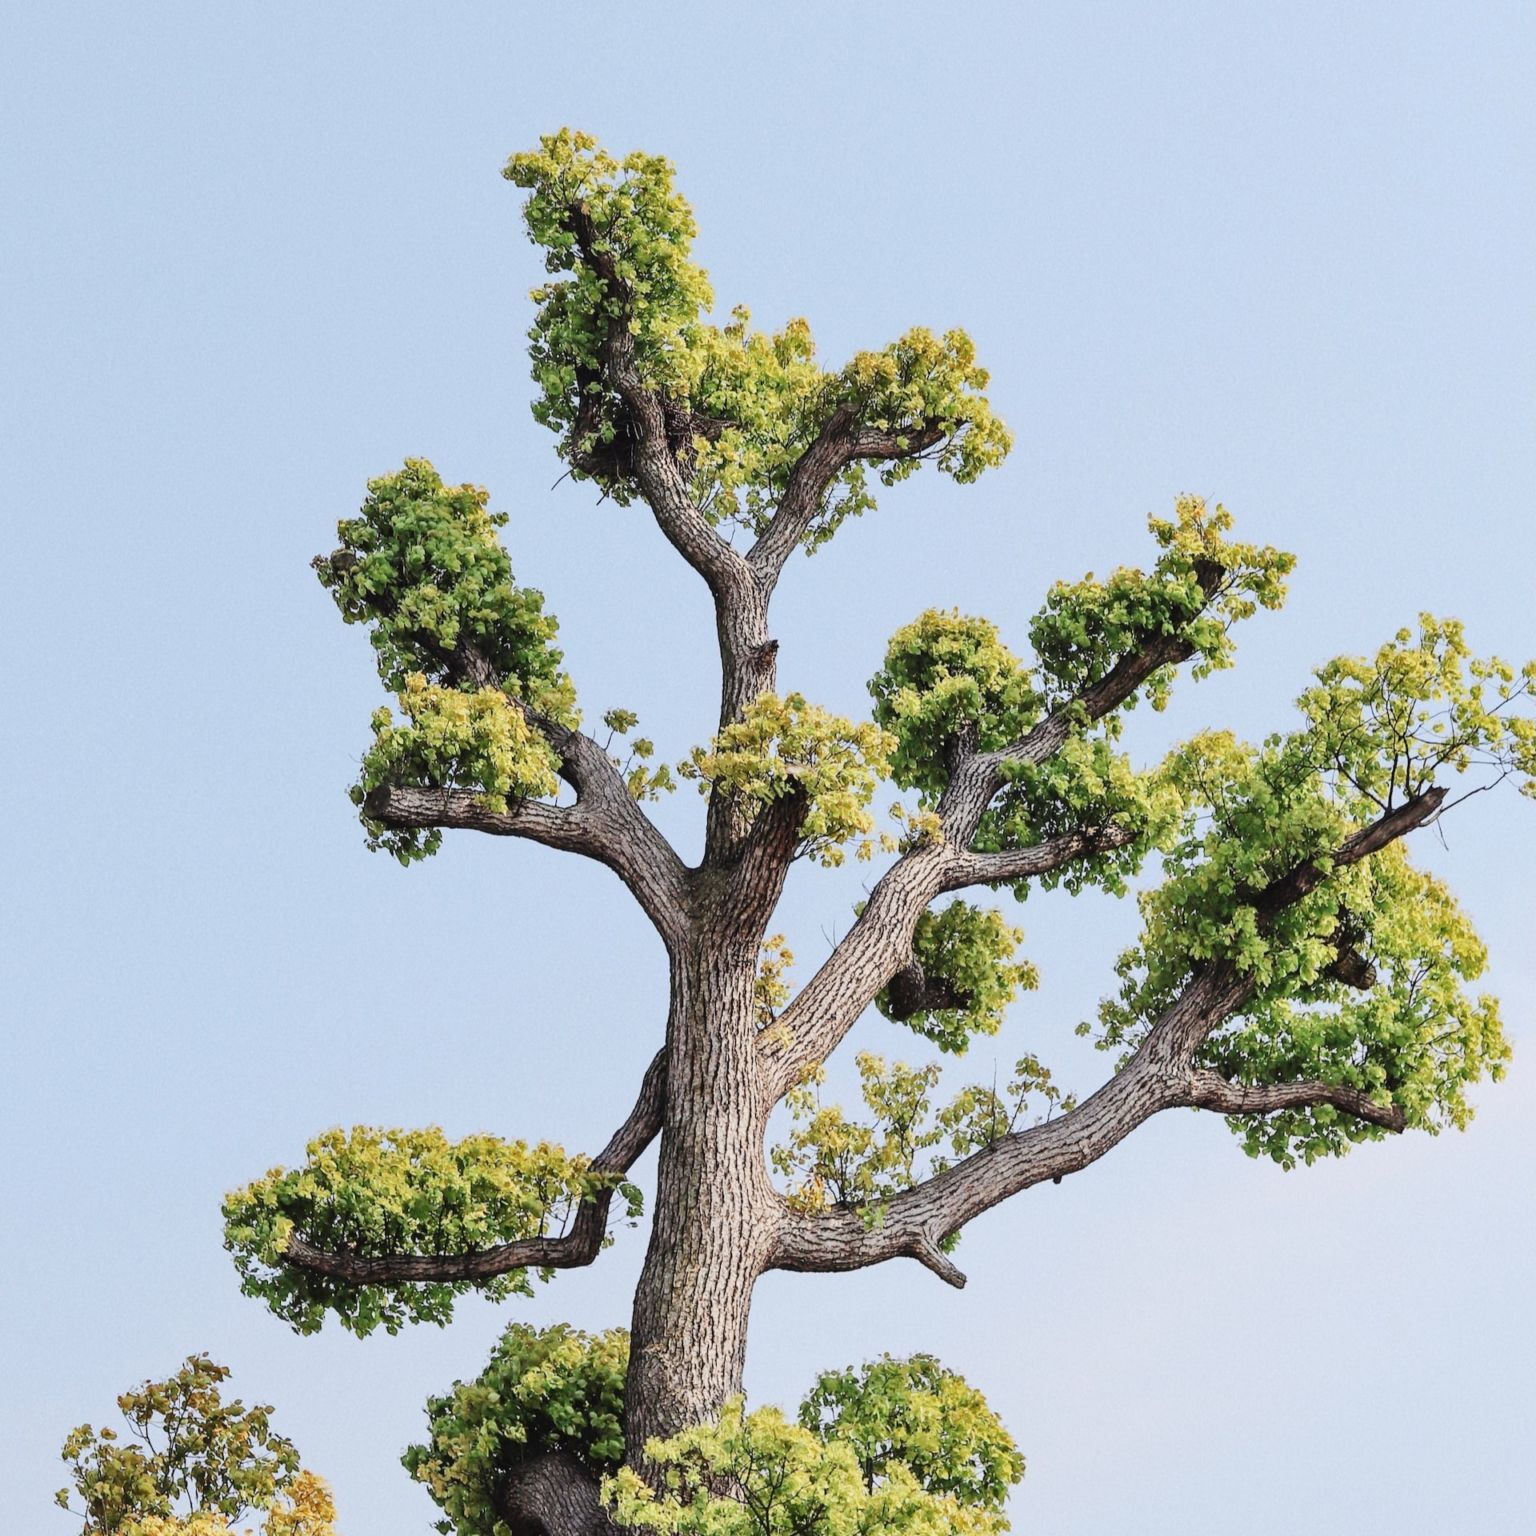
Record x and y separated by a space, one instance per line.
1043 858
1210 1090
576 1249
612 832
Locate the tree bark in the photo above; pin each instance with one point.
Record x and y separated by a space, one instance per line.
715 1209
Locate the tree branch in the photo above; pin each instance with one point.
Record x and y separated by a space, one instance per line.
840 443
578 1248
651 451
627 844
1160 1075
1012 864
1210 1090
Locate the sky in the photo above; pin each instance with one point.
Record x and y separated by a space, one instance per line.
1276 254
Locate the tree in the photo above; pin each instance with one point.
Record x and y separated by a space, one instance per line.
188 1447
1295 973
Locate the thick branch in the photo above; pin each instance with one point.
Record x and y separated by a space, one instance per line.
1210 1090
576 1249
630 846
1027 863
879 945
1160 1075
841 442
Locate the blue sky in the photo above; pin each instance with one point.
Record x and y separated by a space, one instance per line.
1276 254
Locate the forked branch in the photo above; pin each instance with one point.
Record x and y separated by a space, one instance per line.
1161 1074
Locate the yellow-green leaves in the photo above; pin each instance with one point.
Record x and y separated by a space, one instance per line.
829 1159
1423 706
550 1389
969 976
759 1474
422 566
743 405
643 780
946 673
900 1445
389 1193
1200 586
1375 733
917 1413
927 381
186 1447
477 740
642 229
1417 1039
784 746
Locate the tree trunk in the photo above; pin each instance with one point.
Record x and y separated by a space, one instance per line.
712 1227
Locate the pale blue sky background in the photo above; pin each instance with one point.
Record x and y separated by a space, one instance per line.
1279 254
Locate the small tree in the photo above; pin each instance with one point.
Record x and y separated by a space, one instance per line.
190 1465
1295 972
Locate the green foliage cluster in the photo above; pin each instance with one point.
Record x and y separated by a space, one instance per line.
1201 584
476 740
422 566
186 1444
377 1192
829 1159
1375 732
970 951
916 1412
753 402
646 229
783 746
784 1479
944 673
1087 783
552 1389
899 1445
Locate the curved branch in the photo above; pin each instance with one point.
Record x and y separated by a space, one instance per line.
1210 1090
576 1249
840 442
628 844
651 452
1042 859
1160 1075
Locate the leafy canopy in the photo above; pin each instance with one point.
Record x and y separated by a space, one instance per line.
916 1412
186 1445
1375 733
391 1192
552 1389
784 1480
966 955
900 1445
743 405
467 652
785 746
